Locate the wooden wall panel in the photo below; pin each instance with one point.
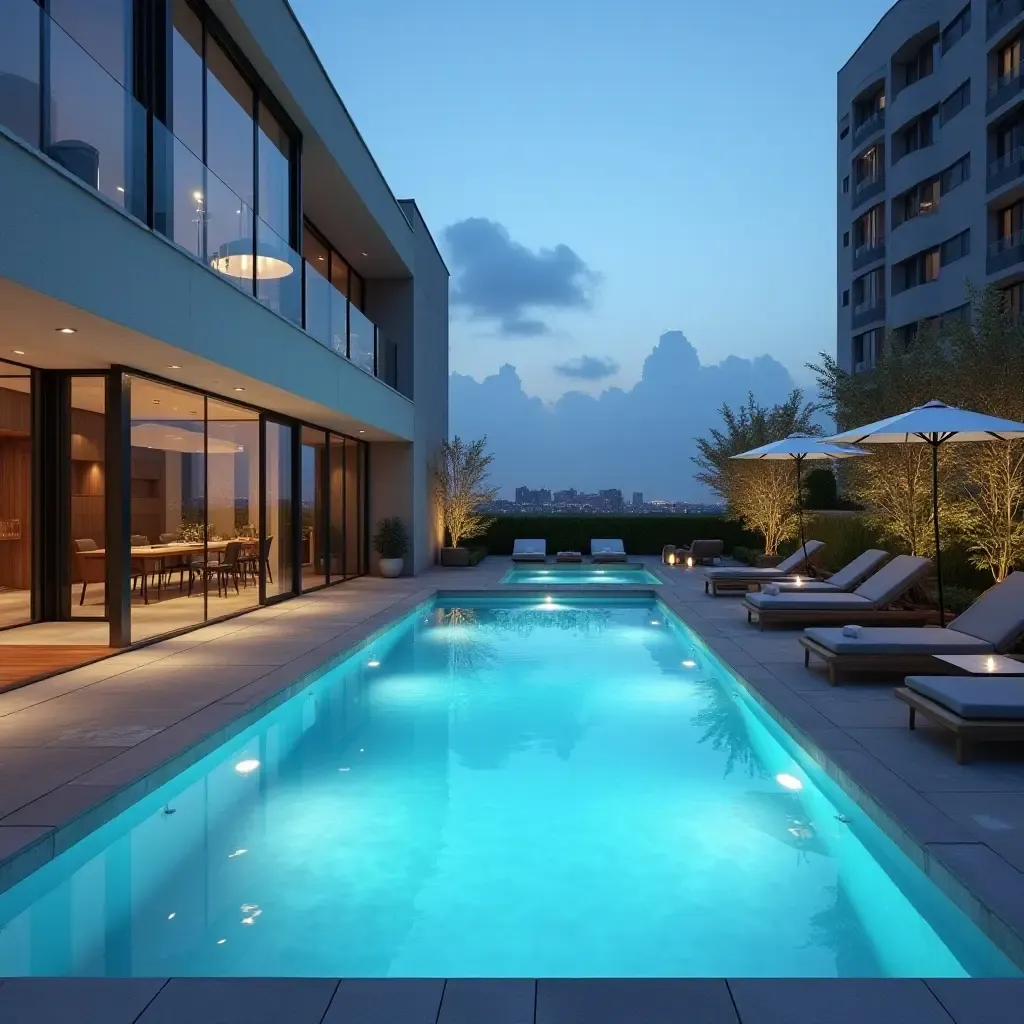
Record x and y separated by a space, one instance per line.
16 503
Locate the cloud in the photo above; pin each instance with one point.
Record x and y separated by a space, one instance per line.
638 439
588 368
496 278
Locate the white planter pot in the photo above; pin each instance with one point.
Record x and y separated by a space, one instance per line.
391 567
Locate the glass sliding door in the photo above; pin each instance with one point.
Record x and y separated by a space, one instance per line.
336 568
355 502
15 495
88 497
233 489
276 542
314 507
173 544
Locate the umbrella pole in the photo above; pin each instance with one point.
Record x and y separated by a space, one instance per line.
800 504
935 522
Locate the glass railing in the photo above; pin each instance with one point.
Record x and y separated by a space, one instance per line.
867 182
96 130
362 340
1014 156
1011 241
101 134
1004 80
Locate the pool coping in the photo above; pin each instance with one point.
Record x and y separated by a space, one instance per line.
997 913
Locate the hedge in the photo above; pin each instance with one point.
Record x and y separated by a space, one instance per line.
641 535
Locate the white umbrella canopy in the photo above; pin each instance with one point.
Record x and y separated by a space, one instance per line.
798 448
933 423
801 446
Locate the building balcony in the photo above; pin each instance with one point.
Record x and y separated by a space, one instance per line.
1009 167
1005 252
867 189
868 253
868 312
1004 88
868 127
1001 13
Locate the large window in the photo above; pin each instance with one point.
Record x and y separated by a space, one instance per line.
313 467
279 516
15 495
87 453
20 97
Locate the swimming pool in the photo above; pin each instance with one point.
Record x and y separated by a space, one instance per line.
581 574
498 787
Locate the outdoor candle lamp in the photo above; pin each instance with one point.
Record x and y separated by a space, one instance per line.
689 561
671 558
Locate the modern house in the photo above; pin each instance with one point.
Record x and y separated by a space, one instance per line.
223 340
930 169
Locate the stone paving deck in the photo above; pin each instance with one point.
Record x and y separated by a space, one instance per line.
78 748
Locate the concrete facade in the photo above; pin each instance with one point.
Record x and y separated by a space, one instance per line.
929 169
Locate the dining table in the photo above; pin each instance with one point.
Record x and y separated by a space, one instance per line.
154 557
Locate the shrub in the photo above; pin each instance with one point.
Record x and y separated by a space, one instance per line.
641 535
391 540
748 556
820 489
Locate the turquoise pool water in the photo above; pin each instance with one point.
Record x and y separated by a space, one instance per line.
580 574
504 787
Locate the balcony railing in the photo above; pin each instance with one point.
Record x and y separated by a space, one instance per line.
1005 251
1006 168
868 253
103 136
867 188
1004 88
1001 13
872 123
868 311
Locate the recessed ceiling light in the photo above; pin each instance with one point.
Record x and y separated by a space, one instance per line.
156 401
173 366
119 189
366 254
239 389
18 351
362 431
66 330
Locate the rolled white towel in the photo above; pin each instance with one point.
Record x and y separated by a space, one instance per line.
851 631
772 589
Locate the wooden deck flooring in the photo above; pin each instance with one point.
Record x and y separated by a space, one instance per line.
24 663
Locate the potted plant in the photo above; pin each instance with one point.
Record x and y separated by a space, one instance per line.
391 542
460 478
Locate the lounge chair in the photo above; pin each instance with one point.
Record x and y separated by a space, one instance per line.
972 708
702 551
529 551
842 580
607 551
990 626
742 577
870 602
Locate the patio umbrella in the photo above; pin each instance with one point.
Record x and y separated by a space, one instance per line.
800 448
933 423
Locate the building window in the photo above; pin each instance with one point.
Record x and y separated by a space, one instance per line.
956 101
956 29
866 109
956 247
919 65
956 174
1007 63
846 297
20 98
1009 221
869 290
867 168
921 268
869 229
15 494
846 239
867 347
844 132
1015 297
846 185
278 514
918 134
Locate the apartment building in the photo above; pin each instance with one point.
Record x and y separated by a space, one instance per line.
223 340
930 181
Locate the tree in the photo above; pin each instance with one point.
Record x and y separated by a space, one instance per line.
761 494
894 484
820 489
460 477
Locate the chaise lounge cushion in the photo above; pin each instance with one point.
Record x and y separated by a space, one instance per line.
974 697
844 579
792 600
898 640
529 550
998 615
786 567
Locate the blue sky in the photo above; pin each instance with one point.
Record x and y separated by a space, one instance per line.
685 151
682 153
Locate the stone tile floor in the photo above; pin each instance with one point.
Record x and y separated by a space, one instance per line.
77 748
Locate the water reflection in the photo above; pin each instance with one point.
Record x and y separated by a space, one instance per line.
726 729
782 817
